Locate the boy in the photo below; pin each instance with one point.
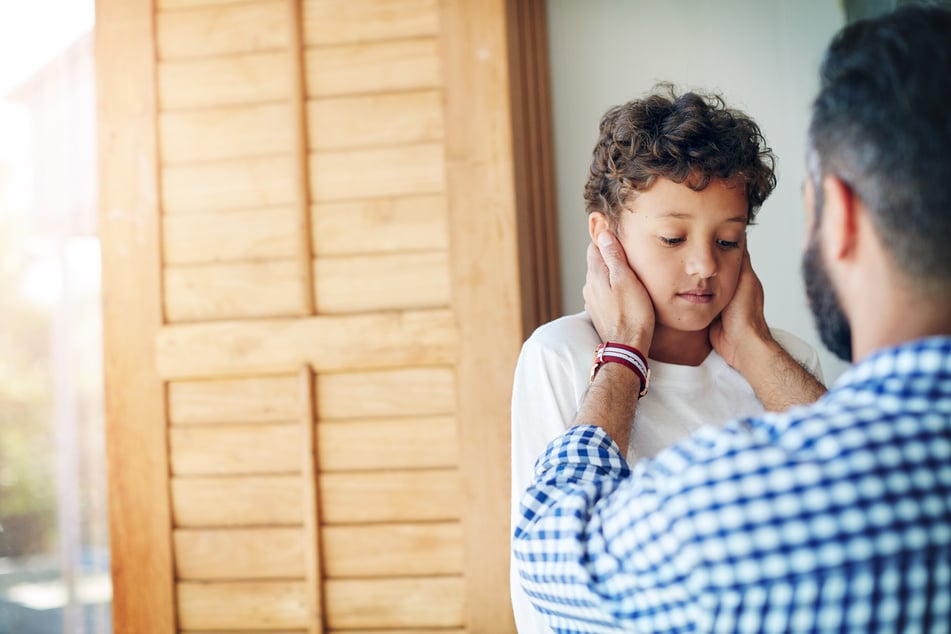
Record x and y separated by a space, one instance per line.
677 179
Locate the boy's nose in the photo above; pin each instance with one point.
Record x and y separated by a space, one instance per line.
701 262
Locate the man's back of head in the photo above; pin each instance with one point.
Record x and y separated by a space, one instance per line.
882 124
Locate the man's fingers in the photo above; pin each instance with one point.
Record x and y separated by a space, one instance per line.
596 276
612 253
747 262
595 261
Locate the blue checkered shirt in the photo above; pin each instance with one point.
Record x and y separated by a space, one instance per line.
831 517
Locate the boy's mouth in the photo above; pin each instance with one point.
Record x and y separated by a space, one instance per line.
697 297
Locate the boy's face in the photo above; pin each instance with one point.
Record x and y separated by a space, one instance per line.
686 247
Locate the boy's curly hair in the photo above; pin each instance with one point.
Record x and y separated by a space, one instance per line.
689 139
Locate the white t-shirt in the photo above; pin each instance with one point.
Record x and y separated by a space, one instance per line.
552 376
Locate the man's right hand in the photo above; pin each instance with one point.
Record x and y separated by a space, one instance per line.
615 299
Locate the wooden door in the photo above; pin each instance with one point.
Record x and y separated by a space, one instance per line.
315 274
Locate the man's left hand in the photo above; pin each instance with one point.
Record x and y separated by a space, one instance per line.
742 323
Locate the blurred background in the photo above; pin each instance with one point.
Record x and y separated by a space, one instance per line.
54 556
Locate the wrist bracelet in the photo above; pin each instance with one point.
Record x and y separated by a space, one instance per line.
627 356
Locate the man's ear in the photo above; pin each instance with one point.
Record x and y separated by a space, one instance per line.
597 222
839 218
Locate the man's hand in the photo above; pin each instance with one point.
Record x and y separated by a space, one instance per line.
740 335
615 299
741 325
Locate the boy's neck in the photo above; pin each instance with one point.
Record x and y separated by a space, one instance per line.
679 347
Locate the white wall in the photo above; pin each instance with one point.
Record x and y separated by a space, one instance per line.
762 56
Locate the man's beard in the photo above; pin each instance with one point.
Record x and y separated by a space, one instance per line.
833 325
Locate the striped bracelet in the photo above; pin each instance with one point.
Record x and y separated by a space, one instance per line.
625 355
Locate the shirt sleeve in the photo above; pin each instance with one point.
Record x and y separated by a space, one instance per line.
602 549
544 404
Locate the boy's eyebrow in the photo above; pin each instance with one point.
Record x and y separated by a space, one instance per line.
680 215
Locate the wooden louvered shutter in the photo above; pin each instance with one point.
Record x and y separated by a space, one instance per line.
315 289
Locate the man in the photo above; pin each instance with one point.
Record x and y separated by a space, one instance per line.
831 516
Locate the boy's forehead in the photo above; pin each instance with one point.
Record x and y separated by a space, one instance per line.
724 200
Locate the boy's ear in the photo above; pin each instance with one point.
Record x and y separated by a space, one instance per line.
597 222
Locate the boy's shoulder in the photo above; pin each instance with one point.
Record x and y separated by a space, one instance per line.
568 332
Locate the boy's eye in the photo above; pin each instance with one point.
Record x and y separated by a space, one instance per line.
728 244
671 241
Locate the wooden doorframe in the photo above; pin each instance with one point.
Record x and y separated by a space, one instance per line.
135 404
504 256
532 135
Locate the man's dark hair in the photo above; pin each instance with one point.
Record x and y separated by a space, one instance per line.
882 124
689 139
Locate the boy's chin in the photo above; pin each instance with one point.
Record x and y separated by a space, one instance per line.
686 326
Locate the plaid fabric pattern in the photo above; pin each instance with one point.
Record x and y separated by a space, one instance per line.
831 517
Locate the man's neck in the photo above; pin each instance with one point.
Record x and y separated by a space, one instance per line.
899 320
897 310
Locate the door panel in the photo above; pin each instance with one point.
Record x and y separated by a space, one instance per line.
314 301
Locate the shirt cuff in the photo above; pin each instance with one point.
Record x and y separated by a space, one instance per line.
586 448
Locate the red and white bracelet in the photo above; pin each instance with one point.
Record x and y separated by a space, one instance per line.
627 356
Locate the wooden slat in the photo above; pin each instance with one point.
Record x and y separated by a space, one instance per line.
388 119
411 223
222 30
346 445
237 501
250 183
326 343
239 553
257 234
350 284
487 295
301 178
377 550
220 81
328 22
235 449
346 498
172 5
417 630
242 605
270 631
426 630
139 510
232 290
391 171
313 549
372 68
261 399
391 603
390 496
390 550
225 133
387 393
